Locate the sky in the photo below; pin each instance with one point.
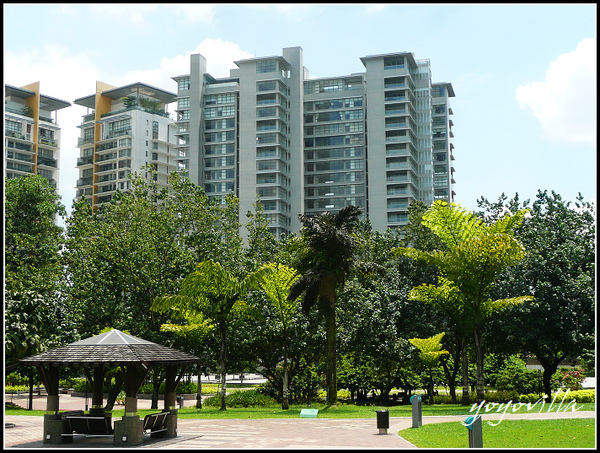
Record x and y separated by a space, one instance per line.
524 75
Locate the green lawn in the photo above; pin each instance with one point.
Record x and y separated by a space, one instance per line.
564 433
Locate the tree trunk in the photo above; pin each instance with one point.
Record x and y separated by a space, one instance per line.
223 370
465 372
285 404
331 375
479 360
113 392
550 367
199 391
431 386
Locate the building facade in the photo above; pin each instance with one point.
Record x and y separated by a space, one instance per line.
125 129
31 133
377 139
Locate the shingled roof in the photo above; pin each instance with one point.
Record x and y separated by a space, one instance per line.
111 349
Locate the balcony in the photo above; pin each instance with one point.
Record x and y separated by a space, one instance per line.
47 161
85 160
19 156
85 181
19 167
48 141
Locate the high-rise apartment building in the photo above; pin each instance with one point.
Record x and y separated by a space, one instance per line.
125 129
32 134
377 139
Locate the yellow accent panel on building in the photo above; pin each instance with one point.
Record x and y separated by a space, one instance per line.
33 103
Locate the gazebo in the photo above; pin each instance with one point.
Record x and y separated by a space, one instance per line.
135 357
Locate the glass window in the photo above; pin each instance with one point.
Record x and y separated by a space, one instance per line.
183 103
264 66
184 83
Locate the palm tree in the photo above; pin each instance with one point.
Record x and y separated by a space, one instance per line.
214 293
325 256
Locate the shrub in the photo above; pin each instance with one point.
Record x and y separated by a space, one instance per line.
570 378
514 376
581 396
244 398
16 379
15 388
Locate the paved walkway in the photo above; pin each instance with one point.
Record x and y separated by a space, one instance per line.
255 434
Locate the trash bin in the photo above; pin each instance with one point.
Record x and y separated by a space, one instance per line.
180 401
383 421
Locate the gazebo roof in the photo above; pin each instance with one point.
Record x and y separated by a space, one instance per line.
111 349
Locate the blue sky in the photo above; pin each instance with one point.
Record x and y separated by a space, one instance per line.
524 75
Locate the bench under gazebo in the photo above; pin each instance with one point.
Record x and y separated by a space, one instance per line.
135 357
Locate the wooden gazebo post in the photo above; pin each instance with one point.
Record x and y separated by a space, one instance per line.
53 425
171 401
129 430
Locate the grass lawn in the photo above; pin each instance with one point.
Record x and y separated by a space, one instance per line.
564 433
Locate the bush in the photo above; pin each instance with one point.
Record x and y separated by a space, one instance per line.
515 377
16 379
570 378
16 388
581 396
243 398
492 397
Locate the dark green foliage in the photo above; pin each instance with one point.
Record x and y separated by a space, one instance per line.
243 398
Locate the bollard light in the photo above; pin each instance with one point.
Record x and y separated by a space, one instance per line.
474 426
417 411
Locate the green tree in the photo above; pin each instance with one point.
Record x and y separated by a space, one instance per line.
430 353
214 293
276 286
559 271
124 256
476 254
326 255
35 316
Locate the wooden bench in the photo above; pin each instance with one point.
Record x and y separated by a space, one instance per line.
88 426
155 423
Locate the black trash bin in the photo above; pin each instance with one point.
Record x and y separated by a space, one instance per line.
383 421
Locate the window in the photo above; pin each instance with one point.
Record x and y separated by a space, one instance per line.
183 103
12 126
184 83
155 130
120 127
269 85
396 62
264 66
88 135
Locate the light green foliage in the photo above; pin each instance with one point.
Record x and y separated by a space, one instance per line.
277 287
430 349
476 254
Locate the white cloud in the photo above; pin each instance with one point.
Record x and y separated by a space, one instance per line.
565 103
219 55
